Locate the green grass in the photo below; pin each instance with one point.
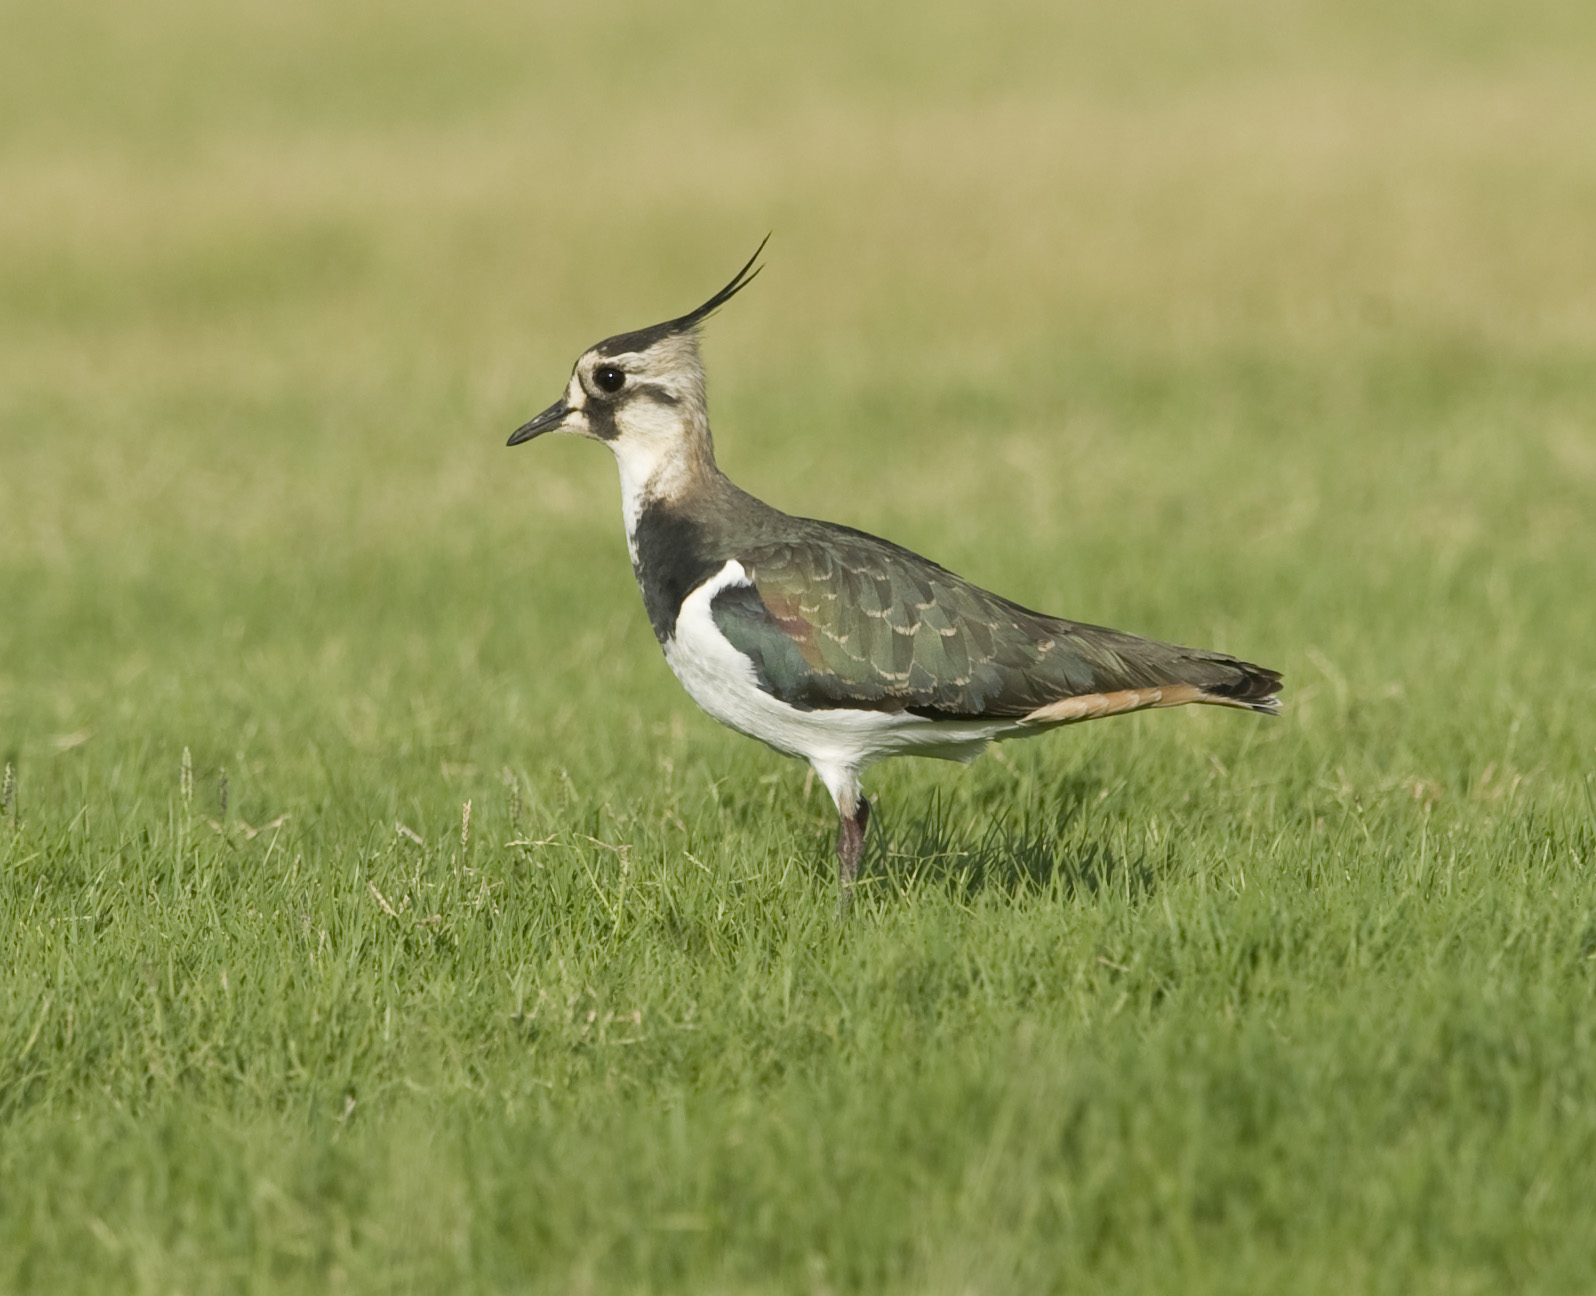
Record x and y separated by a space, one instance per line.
1262 328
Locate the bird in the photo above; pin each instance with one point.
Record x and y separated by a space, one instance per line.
829 643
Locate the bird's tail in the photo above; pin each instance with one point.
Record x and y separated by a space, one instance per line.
1195 677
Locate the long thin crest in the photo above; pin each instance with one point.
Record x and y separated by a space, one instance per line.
643 338
739 281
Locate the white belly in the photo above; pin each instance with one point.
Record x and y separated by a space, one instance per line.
722 681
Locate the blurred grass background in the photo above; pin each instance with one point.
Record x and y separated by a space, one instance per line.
1267 327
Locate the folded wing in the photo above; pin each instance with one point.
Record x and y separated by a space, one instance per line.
837 618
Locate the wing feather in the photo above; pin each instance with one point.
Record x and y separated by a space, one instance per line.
837 618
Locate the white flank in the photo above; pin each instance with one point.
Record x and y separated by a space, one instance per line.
837 742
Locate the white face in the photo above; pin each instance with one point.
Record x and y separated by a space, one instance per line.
633 398
639 391
646 405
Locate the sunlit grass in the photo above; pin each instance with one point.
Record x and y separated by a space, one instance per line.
1258 329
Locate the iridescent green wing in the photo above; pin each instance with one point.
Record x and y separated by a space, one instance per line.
837 618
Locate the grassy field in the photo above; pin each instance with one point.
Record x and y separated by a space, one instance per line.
376 913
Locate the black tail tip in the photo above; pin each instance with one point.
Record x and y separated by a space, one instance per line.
1254 687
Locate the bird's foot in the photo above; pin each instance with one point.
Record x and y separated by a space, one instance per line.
850 850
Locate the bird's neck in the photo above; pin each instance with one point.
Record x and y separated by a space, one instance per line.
666 461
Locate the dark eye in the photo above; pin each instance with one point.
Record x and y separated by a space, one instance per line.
607 378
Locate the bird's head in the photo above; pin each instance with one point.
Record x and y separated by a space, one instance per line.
642 393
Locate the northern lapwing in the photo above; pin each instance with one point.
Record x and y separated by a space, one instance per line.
829 643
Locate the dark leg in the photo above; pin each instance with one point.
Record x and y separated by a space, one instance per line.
850 848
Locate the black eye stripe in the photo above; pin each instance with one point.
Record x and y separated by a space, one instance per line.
601 421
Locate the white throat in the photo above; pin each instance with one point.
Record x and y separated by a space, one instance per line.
659 454
644 476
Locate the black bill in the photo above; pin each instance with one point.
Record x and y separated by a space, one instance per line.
547 421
